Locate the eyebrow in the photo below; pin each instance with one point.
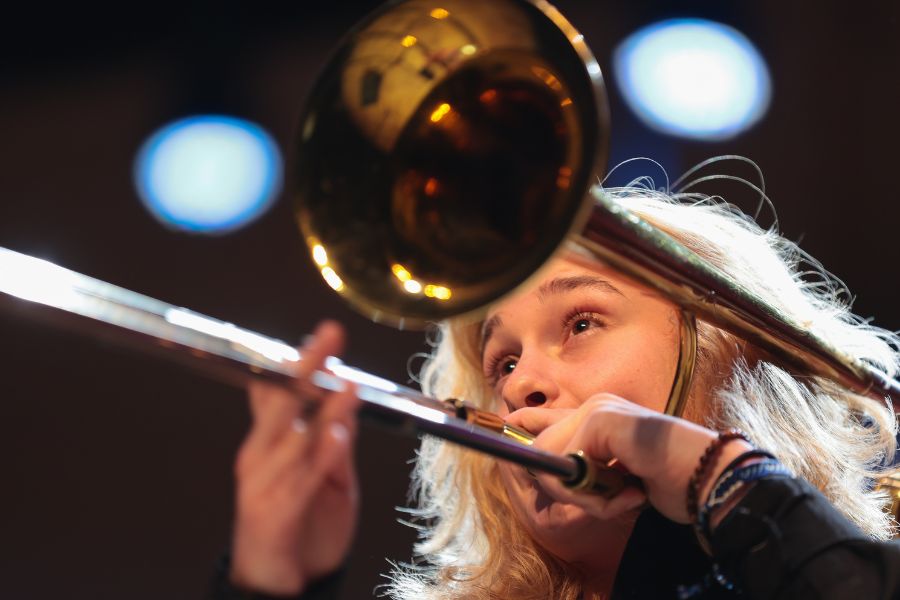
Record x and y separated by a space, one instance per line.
560 285
567 284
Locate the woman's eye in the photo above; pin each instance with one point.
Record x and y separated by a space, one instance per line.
506 367
501 367
582 322
580 326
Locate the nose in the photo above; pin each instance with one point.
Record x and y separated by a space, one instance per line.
530 384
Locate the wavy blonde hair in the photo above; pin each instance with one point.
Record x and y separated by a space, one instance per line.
833 438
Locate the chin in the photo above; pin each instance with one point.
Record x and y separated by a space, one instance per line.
549 515
567 531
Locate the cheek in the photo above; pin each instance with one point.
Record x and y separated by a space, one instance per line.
518 492
500 407
636 364
537 512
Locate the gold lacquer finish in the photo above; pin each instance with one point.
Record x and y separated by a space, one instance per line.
520 435
489 420
684 370
444 154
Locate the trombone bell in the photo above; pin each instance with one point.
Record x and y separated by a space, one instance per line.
444 155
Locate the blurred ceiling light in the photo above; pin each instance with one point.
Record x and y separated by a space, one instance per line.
208 173
693 78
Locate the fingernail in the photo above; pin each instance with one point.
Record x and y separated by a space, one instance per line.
339 431
299 425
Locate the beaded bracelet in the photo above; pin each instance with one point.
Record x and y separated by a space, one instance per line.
735 478
755 453
706 462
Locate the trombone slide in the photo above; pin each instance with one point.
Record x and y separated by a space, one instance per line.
231 354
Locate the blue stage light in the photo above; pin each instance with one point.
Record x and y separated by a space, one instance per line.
693 78
208 173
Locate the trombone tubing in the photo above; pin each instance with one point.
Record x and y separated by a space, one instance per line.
641 251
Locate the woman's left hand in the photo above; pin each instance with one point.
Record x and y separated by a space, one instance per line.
662 451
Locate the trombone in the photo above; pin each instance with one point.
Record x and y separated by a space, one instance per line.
444 155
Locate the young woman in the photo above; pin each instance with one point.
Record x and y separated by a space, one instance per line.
585 359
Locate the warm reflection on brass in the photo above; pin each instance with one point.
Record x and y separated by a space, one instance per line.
320 257
564 178
440 112
547 77
519 435
684 368
332 279
400 272
437 291
489 420
412 286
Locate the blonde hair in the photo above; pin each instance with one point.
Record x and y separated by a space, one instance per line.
833 438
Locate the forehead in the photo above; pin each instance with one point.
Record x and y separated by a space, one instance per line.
563 275
566 273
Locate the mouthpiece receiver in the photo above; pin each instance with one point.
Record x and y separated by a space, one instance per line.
604 479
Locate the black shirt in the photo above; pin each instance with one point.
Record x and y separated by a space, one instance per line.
783 541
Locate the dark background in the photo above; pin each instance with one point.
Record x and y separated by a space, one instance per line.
116 469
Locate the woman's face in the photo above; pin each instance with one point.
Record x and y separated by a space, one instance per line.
581 330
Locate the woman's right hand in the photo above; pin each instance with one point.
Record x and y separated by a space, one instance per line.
661 450
297 492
